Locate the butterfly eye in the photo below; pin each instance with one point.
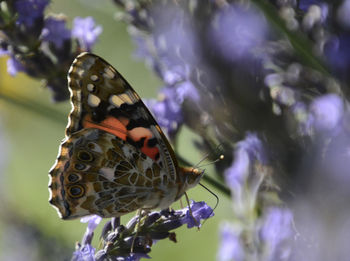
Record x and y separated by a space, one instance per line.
76 191
79 166
85 156
72 177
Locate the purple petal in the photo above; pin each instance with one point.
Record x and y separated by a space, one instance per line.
30 10
236 31
85 253
85 30
231 247
276 230
93 220
13 66
200 210
55 31
246 151
326 112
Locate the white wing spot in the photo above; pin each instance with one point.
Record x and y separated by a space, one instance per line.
90 87
109 74
93 100
115 100
126 98
94 77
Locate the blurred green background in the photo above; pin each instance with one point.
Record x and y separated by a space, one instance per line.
29 226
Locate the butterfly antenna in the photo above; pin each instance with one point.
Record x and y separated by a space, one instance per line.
218 148
221 157
217 200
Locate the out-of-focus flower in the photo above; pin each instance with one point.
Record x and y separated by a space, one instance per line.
236 32
338 54
305 4
14 66
86 32
30 10
276 232
246 152
326 113
55 31
167 111
231 247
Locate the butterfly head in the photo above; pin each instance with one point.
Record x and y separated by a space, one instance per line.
190 177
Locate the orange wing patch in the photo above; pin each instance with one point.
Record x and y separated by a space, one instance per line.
110 124
140 133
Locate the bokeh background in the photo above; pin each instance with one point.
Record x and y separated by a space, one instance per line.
31 128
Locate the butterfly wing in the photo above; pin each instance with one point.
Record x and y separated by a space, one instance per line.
115 158
102 98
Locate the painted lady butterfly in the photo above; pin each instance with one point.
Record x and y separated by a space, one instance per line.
115 158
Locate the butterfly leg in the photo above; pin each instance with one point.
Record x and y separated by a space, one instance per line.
138 226
190 210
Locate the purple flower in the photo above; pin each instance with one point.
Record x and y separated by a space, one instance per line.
236 31
86 252
326 112
186 90
200 210
85 30
55 31
92 221
231 247
338 54
174 38
14 66
276 232
246 152
167 111
305 4
30 10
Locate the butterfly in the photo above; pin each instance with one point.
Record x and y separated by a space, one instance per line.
114 158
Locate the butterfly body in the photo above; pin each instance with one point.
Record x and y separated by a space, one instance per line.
115 158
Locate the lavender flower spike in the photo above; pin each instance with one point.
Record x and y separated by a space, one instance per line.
86 252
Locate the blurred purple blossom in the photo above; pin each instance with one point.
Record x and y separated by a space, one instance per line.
14 66
276 231
55 31
231 247
86 32
167 111
305 4
30 10
236 31
326 113
338 54
246 152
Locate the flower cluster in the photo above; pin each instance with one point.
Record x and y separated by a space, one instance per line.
274 68
268 80
134 241
43 47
